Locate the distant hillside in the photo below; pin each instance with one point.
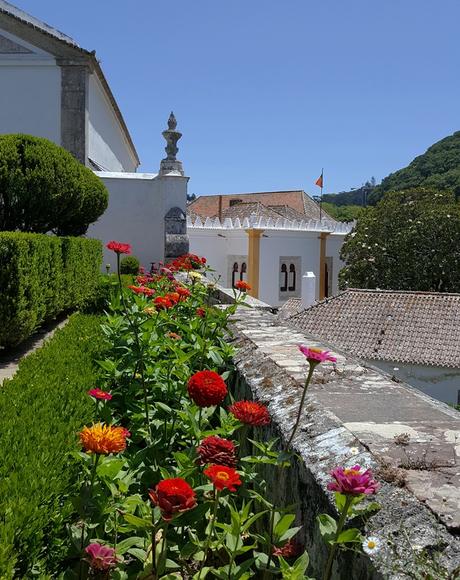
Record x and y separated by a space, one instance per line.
438 167
357 196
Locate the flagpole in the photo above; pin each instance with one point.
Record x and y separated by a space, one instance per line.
321 197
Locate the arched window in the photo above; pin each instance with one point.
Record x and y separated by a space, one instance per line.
234 273
284 278
292 278
243 271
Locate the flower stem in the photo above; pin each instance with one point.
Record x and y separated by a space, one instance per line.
162 558
333 547
211 533
83 526
302 400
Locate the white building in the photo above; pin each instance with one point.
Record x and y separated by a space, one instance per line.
270 243
53 88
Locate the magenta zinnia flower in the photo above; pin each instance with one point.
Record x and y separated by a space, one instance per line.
100 394
101 557
316 355
353 481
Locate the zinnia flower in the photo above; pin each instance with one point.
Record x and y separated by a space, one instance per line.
183 292
242 286
201 312
173 496
103 439
195 275
100 394
353 481
371 545
174 335
316 355
291 549
150 310
142 290
250 412
214 449
163 302
223 477
101 557
119 247
207 388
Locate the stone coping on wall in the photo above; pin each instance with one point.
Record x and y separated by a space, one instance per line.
357 414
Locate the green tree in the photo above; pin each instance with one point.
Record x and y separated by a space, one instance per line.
409 241
43 188
343 213
438 168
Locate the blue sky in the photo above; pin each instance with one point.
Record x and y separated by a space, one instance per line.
266 92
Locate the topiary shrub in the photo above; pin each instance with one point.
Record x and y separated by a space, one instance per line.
43 188
129 265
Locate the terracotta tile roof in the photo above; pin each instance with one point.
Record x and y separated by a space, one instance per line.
243 210
406 327
290 307
287 212
208 205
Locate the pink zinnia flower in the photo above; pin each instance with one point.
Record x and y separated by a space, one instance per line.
101 557
316 355
100 394
353 481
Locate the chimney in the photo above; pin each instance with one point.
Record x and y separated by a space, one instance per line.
308 289
220 208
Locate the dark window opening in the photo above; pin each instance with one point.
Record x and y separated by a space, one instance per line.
292 277
284 278
243 270
234 273
235 202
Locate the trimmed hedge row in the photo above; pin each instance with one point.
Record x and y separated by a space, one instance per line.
42 409
42 276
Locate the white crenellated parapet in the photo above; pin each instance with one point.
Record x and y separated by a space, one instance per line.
255 222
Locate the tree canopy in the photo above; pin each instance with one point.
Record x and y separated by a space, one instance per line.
43 188
343 213
409 241
438 168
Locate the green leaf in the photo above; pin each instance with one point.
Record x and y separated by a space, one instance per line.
124 545
350 535
327 527
137 522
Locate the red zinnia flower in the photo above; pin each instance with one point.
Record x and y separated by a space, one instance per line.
223 477
216 450
100 394
174 297
291 549
173 496
101 557
163 302
242 285
119 247
201 312
103 439
250 412
183 292
315 355
353 481
207 388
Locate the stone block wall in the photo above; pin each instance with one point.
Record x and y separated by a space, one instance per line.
355 414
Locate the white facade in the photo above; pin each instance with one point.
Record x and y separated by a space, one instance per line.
291 244
138 203
30 95
107 145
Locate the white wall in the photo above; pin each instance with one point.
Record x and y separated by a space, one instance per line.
30 98
438 382
107 145
285 243
217 248
138 203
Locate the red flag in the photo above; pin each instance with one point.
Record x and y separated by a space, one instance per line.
319 181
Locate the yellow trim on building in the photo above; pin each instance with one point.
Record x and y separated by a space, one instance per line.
254 261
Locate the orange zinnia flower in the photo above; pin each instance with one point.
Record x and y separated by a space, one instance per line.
103 439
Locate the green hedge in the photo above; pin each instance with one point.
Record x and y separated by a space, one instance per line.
42 276
42 409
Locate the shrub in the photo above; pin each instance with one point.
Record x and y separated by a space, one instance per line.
42 276
41 411
129 265
44 188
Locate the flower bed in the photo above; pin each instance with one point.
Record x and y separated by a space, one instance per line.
166 490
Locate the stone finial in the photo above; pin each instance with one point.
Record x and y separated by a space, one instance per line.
170 165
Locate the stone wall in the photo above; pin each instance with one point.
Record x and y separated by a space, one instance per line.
356 414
